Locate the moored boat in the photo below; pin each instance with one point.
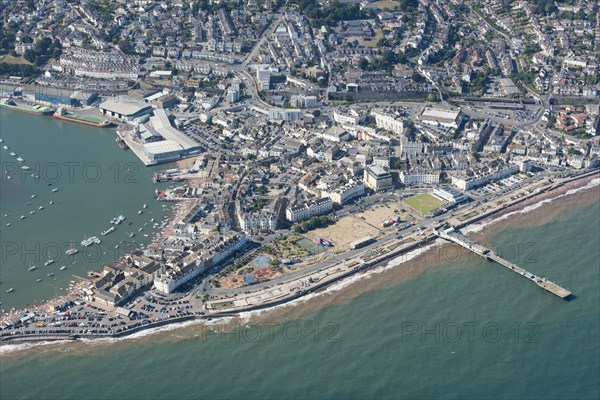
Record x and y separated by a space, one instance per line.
62 113
35 109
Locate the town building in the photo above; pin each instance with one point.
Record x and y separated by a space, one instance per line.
377 178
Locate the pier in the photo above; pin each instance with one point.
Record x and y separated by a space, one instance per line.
454 236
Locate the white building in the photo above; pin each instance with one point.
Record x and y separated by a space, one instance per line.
377 178
449 195
346 193
388 122
439 117
466 182
417 178
264 222
307 210
348 117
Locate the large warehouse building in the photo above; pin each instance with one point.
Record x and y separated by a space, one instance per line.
175 144
126 110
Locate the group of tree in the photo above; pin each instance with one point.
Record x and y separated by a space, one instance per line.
384 62
43 49
313 223
24 70
320 15
543 7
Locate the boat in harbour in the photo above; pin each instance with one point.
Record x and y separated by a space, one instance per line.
35 109
62 113
109 230
121 143
117 220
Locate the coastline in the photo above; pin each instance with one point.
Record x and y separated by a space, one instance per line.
537 210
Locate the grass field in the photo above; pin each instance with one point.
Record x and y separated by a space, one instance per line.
13 60
424 203
385 4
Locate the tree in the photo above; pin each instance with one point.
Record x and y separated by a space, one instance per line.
5 43
431 97
42 46
363 63
29 55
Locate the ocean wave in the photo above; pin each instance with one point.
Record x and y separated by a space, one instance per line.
478 227
11 348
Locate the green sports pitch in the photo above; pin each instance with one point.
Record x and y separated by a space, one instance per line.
424 203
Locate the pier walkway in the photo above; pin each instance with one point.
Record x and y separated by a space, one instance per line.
456 237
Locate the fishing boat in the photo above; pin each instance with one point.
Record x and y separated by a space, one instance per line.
63 267
50 261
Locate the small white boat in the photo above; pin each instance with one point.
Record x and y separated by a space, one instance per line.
5 147
12 153
10 290
20 159
63 267
139 212
51 202
32 212
25 167
51 274
48 262
54 190
23 217
8 224
38 280
33 196
145 206
40 207
32 268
